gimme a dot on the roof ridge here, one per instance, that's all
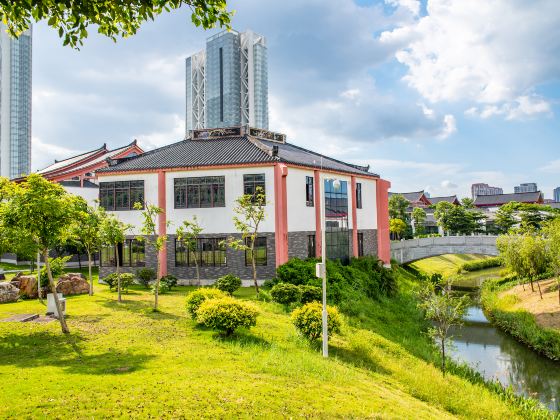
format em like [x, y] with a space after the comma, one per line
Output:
[75, 156]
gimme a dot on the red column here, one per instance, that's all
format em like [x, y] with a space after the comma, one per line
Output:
[317, 201]
[354, 217]
[162, 222]
[383, 240]
[281, 213]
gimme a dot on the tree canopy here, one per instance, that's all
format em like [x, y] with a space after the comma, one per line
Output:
[115, 18]
[398, 206]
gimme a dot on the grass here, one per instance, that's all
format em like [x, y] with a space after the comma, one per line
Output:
[124, 360]
[446, 265]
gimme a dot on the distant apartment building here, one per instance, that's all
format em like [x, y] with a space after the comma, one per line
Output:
[484, 189]
[526, 187]
[556, 194]
[15, 104]
[227, 83]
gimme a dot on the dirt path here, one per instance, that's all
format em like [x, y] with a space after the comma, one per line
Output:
[547, 310]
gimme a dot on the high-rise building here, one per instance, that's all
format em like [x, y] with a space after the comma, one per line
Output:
[556, 194]
[227, 83]
[484, 189]
[15, 104]
[526, 187]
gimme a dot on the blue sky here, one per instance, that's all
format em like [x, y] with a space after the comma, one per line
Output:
[433, 95]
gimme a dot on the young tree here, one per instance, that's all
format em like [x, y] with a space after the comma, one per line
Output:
[44, 211]
[467, 203]
[397, 227]
[534, 257]
[445, 311]
[398, 206]
[552, 234]
[151, 236]
[71, 19]
[442, 214]
[505, 217]
[188, 235]
[86, 232]
[113, 232]
[250, 212]
[419, 217]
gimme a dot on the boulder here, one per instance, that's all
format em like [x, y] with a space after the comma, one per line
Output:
[8, 293]
[27, 286]
[70, 284]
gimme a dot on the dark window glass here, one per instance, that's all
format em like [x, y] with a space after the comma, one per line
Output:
[197, 192]
[336, 220]
[309, 191]
[180, 193]
[253, 181]
[358, 195]
[208, 252]
[121, 195]
[360, 244]
[311, 246]
[131, 254]
[260, 252]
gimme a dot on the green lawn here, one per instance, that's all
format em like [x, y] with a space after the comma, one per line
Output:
[123, 360]
[446, 265]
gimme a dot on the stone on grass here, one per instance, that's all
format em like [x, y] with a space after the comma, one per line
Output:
[8, 293]
[27, 286]
[72, 284]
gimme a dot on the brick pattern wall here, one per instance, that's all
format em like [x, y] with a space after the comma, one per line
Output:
[297, 244]
[370, 241]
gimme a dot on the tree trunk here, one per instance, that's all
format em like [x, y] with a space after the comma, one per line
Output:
[80, 261]
[539, 286]
[61, 318]
[443, 356]
[532, 286]
[197, 270]
[89, 272]
[156, 291]
[118, 273]
[254, 264]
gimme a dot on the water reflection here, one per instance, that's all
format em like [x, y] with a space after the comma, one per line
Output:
[498, 356]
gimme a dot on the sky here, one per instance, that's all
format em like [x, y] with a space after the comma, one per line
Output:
[433, 94]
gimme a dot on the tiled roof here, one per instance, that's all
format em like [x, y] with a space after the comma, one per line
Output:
[499, 199]
[77, 184]
[228, 151]
[60, 164]
[450, 199]
[410, 196]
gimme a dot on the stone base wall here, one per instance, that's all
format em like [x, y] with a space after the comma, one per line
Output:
[297, 244]
[370, 241]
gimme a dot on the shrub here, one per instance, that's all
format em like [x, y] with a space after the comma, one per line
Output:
[264, 296]
[57, 269]
[127, 280]
[296, 271]
[228, 283]
[166, 283]
[308, 320]
[481, 264]
[198, 296]
[310, 294]
[145, 276]
[226, 314]
[285, 293]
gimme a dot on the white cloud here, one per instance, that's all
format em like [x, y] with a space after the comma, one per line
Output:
[448, 184]
[494, 54]
[450, 126]
[552, 167]
[44, 154]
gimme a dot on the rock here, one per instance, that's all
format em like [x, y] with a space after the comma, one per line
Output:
[8, 293]
[27, 286]
[72, 284]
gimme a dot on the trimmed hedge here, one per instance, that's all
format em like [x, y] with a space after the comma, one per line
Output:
[127, 280]
[310, 294]
[226, 314]
[481, 264]
[309, 320]
[285, 293]
[198, 296]
[228, 283]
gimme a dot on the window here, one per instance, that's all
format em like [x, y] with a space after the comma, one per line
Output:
[200, 192]
[311, 246]
[131, 254]
[336, 221]
[309, 191]
[359, 195]
[252, 182]
[121, 195]
[260, 251]
[210, 252]
[360, 244]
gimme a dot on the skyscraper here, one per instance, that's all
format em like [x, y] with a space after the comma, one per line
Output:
[484, 189]
[227, 83]
[556, 194]
[527, 187]
[15, 104]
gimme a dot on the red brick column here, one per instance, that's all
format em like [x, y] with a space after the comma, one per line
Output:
[383, 239]
[162, 221]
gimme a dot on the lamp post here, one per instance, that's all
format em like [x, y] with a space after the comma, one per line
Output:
[321, 268]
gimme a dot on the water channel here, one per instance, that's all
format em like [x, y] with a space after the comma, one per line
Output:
[496, 355]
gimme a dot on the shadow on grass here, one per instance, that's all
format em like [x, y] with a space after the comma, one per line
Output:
[140, 307]
[65, 351]
[358, 357]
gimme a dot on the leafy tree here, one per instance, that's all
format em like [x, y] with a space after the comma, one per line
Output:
[445, 311]
[397, 226]
[188, 234]
[509, 247]
[44, 211]
[535, 258]
[114, 18]
[552, 233]
[505, 217]
[86, 231]
[149, 230]
[398, 206]
[113, 232]
[457, 219]
[250, 213]
[419, 217]
[467, 203]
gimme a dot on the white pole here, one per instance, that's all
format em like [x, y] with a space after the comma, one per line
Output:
[39, 275]
[324, 272]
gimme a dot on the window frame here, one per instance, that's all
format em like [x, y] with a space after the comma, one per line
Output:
[132, 260]
[188, 259]
[253, 184]
[188, 192]
[360, 244]
[309, 191]
[248, 262]
[128, 191]
[359, 202]
[311, 246]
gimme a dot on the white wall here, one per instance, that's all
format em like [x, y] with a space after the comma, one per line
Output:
[88, 194]
[300, 216]
[220, 219]
[367, 215]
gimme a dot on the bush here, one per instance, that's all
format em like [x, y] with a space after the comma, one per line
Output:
[264, 296]
[308, 320]
[57, 269]
[226, 314]
[166, 283]
[310, 294]
[228, 283]
[296, 271]
[285, 293]
[481, 264]
[198, 296]
[127, 280]
[145, 276]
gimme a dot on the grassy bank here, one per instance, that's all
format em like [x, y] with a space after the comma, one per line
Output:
[124, 360]
[505, 309]
[446, 265]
